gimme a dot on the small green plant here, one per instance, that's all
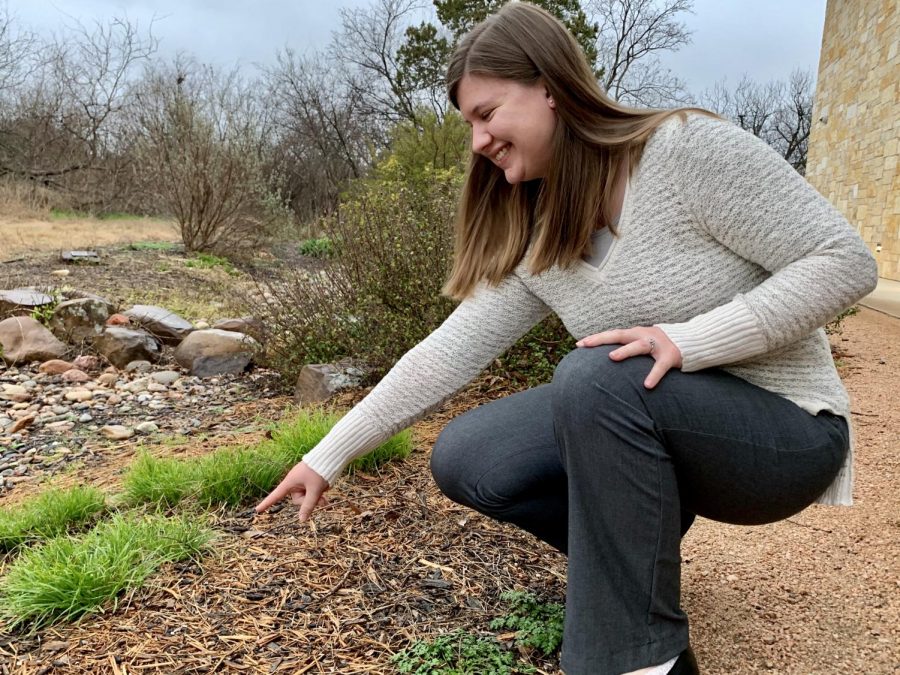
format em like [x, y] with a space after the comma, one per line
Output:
[317, 248]
[43, 313]
[153, 246]
[50, 514]
[458, 653]
[69, 577]
[538, 625]
[209, 261]
[836, 325]
[160, 481]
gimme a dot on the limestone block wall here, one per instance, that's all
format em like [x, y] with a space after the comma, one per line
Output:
[853, 146]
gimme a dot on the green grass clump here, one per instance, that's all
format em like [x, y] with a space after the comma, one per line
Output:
[160, 481]
[69, 577]
[458, 653]
[50, 514]
[209, 261]
[233, 476]
[538, 625]
[317, 248]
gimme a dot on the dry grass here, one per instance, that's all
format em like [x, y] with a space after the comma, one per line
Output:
[25, 237]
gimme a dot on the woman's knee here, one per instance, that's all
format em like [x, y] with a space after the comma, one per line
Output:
[586, 374]
[447, 464]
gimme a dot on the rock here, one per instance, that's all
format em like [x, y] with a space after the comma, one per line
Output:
[114, 400]
[108, 379]
[165, 376]
[55, 367]
[80, 320]
[161, 322]
[201, 325]
[24, 339]
[320, 381]
[215, 352]
[80, 257]
[74, 375]
[138, 367]
[121, 346]
[118, 320]
[22, 300]
[86, 362]
[20, 424]
[156, 387]
[79, 395]
[59, 273]
[85, 418]
[15, 392]
[147, 428]
[61, 425]
[136, 386]
[246, 324]
[117, 432]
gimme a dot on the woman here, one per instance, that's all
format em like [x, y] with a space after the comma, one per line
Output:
[694, 266]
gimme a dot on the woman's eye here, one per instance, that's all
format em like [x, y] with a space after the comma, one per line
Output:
[487, 115]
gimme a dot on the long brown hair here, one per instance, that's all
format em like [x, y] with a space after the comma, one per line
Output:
[594, 135]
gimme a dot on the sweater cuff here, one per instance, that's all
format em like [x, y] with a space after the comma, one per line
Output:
[353, 436]
[726, 334]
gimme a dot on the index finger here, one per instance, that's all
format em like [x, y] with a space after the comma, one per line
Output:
[274, 496]
[618, 336]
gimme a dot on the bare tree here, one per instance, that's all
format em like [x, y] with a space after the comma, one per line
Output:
[320, 133]
[369, 42]
[778, 112]
[632, 34]
[201, 153]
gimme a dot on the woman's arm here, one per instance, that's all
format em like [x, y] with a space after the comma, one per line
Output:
[480, 328]
[750, 200]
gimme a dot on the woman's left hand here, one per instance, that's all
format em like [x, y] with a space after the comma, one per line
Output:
[636, 341]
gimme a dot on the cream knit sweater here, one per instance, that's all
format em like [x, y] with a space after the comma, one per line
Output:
[721, 244]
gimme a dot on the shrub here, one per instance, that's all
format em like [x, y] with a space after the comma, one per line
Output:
[50, 514]
[458, 653]
[69, 577]
[538, 625]
[532, 360]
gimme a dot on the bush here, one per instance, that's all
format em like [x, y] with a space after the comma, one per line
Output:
[316, 248]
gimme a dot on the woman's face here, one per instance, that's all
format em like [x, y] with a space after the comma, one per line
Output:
[512, 124]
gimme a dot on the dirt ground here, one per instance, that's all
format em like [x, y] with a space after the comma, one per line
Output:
[390, 560]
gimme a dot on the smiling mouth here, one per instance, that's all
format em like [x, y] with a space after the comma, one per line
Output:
[504, 151]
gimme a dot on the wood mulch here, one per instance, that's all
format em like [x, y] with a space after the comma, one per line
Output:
[390, 560]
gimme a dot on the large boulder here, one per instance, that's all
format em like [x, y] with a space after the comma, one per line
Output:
[161, 322]
[320, 381]
[121, 346]
[24, 340]
[81, 320]
[215, 352]
[22, 300]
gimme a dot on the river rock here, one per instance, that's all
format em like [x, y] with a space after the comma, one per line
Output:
[121, 346]
[160, 322]
[147, 428]
[86, 362]
[107, 379]
[74, 375]
[80, 320]
[15, 393]
[139, 367]
[24, 339]
[79, 395]
[211, 352]
[117, 432]
[165, 376]
[80, 257]
[118, 320]
[55, 367]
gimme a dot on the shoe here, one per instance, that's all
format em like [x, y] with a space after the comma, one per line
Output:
[686, 664]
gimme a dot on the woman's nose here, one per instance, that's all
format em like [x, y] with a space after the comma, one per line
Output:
[481, 139]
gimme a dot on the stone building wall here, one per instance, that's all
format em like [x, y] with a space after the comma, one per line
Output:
[853, 146]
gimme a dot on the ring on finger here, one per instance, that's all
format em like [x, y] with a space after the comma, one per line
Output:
[652, 342]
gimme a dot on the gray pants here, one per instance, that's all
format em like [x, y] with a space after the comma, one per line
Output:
[611, 473]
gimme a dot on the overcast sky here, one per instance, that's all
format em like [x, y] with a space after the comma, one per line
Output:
[765, 39]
